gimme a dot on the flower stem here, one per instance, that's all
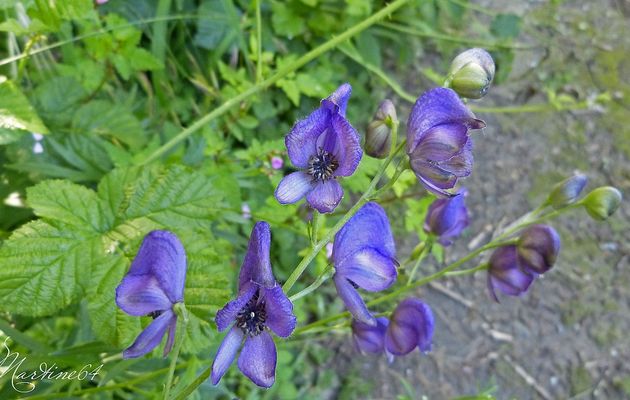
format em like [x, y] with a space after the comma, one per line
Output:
[281, 73]
[314, 227]
[259, 71]
[425, 251]
[468, 271]
[299, 270]
[182, 313]
[328, 272]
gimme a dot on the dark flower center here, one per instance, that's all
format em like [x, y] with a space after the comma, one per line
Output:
[251, 319]
[155, 314]
[322, 165]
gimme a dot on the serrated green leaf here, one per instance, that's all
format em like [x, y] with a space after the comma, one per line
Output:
[16, 113]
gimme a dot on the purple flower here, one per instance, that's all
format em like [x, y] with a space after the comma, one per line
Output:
[277, 162]
[368, 338]
[538, 248]
[447, 218]
[505, 273]
[260, 306]
[439, 148]
[323, 146]
[364, 256]
[154, 283]
[410, 326]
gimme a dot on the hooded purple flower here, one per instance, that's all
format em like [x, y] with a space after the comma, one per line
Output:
[439, 148]
[447, 218]
[154, 283]
[505, 273]
[368, 338]
[323, 146]
[261, 306]
[364, 256]
[410, 326]
[538, 248]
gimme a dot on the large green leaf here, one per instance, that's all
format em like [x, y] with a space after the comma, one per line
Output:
[16, 113]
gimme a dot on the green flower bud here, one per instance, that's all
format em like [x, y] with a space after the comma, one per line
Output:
[471, 73]
[378, 138]
[602, 202]
[567, 191]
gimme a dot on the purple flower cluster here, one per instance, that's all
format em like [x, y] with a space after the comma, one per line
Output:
[447, 218]
[513, 268]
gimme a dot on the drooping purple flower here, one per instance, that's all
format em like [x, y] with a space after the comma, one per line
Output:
[260, 306]
[154, 283]
[369, 338]
[505, 273]
[447, 218]
[364, 257]
[323, 146]
[538, 248]
[438, 144]
[410, 326]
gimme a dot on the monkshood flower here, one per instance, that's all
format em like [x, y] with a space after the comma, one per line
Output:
[538, 248]
[364, 257]
[323, 146]
[260, 306]
[602, 202]
[410, 326]
[153, 285]
[471, 73]
[447, 218]
[505, 273]
[438, 144]
[369, 338]
[567, 191]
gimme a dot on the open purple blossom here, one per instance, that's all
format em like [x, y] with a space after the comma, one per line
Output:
[364, 257]
[505, 273]
[260, 306]
[410, 326]
[538, 247]
[438, 144]
[323, 146]
[153, 285]
[447, 218]
[370, 338]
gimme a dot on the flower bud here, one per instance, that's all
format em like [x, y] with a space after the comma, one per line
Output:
[471, 73]
[537, 249]
[567, 191]
[447, 218]
[602, 202]
[378, 139]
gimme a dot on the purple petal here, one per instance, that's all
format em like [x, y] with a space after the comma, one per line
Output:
[353, 301]
[446, 218]
[460, 164]
[441, 142]
[226, 353]
[436, 107]
[280, 317]
[140, 295]
[162, 255]
[434, 178]
[505, 274]
[227, 315]
[258, 360]
[370, 339]
[301, 140]
[151, 336]
[256, 265]
[338, 100]
[172, 328]
[325, 196]
[410, 325]
[348, 152]
[369, 269]
[369, 227]
[293, 187]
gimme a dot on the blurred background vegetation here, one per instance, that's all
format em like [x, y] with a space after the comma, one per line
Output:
[90, 88]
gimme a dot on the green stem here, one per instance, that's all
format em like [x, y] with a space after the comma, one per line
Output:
[425, 251]
[314, 227]
[259, 71]
[180, 310]
[323, 277]
[281, 73]
[194, 384]
[468, 271]
[299, 270]
[402, 166]
[527, 108]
